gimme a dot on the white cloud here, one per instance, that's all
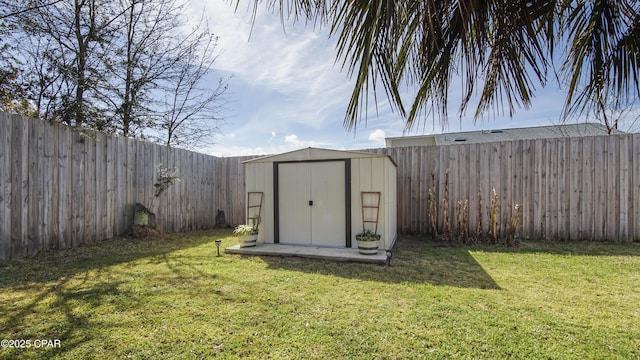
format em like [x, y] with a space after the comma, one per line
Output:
[292, 142]
[273, 134]
[377, 136]
[292, 139]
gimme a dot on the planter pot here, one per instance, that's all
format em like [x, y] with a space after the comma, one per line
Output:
[367, 246]
[248, 240]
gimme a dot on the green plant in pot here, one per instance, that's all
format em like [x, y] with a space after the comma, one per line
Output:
[367, 242]
[248, 234]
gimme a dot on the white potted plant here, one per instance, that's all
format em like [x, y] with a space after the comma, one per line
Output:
[248, 234]
[367, 242]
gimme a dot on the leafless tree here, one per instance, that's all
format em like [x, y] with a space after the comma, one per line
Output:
[142, 57]
[128, 67]
[191, 108]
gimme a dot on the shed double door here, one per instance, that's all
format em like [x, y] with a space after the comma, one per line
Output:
[312, 203]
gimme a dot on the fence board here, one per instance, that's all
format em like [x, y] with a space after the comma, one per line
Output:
[539, 190]
[199, 181]
[90, 196]
[238, 192]
[635, 189]
[551, 190]
[121, 187]
[527, 189]
[187, 215]
[462, 187]
[406, 195]
[19, 182]
[182, 208]
[50, 177]
[208, 207]
[443, 168]
[65, 187]
[562, 184]
[77, 194]
[452, 165]
[131, 185]
[163, 203]
[422, 171]
[111, 184]
[600, 187]
[5, 186]
[496, 178]
[613, 189]
[139, 176]
[506, 191]
[220, 187]
[623, 202]
[35, 188]
[575, 194]
[173, 193]
[485, 186]
[174, 157]
[587, 227]
[472, 189]
[146, 184]
[517, 178]
[101, 186]
[414, 189]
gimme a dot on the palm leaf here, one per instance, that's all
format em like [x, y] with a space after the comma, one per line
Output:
[501, 50]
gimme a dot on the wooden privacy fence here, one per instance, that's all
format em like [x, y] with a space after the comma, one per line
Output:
[569, 188]
[60, 188]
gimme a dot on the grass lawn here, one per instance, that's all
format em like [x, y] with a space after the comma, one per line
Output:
[173, 298]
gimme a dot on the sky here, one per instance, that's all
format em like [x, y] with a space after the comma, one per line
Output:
[287, 92]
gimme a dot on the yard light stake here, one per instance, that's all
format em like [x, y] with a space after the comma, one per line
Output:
[218, 242]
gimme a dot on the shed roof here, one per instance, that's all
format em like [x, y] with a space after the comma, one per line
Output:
[311, 153]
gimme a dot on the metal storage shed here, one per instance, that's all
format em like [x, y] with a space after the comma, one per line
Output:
[314, 197]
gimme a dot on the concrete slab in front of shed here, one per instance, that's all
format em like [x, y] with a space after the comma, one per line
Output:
[314, 252]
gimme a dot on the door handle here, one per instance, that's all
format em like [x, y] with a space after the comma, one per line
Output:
[310, 202]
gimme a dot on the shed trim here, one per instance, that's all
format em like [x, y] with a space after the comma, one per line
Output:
[341, 153]
[276, 205]
[347, 199]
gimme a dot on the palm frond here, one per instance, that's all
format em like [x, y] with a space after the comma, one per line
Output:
[501, 50]
[603, 58]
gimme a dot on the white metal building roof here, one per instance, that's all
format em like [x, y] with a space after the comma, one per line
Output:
[484, 136]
